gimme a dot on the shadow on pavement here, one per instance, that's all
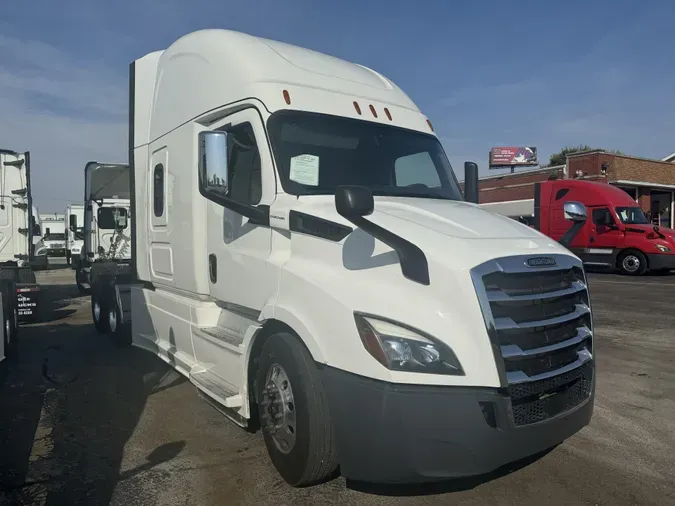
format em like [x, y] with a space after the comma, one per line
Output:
[69, 402]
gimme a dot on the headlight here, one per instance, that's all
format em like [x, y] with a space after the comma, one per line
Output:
[662, 248]
[41, 251]
[399, 348]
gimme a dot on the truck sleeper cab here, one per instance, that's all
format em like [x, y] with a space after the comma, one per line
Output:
[617, 234]
[285, 216]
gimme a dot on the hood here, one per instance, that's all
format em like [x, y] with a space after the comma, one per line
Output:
[455, 219]
[455, 235]
[668, 232]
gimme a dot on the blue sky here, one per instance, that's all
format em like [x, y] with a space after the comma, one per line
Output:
[487, 73]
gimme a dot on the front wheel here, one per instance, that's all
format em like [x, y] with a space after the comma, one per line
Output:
[632, 263]
[293, 412]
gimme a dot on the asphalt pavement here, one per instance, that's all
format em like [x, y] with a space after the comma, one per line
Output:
[82, 422]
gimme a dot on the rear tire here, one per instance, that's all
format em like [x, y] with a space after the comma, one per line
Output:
[120, 333]
[79, 275]
[632, 263]
[9, 314]
[99, 309]
[293, 411]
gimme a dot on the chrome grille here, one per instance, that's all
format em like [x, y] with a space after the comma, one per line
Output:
[540, 325]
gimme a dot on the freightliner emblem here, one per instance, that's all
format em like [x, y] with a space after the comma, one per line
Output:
[540, 262]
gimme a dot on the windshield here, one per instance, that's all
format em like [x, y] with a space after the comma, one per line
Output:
[631, 216]
[109, 181]
[316, 153]
[55, 237]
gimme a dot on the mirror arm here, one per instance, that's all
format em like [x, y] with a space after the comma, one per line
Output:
[257, 215]
[414, 265]
[571, 233]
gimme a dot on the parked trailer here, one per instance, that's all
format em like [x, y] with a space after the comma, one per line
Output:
[17, 225]
[284, 214]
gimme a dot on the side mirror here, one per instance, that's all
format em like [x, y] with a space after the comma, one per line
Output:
[354, 201]
[213, 169]
[73, 222]
[471, 182]
[575, 211]
[120, 220]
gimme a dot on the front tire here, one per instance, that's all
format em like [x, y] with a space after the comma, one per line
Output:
[293, 412]
[632, 263]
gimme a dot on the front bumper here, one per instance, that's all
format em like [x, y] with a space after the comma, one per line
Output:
[658, 261]
[390, 433]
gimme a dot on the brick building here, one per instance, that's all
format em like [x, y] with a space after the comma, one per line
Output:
[649, 182]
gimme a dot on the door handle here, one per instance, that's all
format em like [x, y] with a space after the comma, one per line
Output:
[213, 268]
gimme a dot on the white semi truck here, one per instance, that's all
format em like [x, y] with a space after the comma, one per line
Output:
[302, 253]
[17, 225]
[106, 200]
[74, 234]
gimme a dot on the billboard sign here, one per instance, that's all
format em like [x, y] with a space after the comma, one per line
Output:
[501, 157]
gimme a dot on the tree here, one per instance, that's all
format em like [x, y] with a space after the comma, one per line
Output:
[560, 157]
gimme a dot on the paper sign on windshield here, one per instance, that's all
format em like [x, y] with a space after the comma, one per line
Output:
[305, 170]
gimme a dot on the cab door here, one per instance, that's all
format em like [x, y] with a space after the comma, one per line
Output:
[241, 277]
[238, 250]
[605, 237]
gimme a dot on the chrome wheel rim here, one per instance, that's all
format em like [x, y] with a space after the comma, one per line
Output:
[112, 320]
[278, 409]
[631, 263]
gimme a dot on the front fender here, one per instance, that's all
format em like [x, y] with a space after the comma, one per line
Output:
[300, 323]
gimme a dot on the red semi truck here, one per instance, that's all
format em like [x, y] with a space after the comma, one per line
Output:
[617, 234]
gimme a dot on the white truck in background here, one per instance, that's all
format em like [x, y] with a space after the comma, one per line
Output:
[106, 202]
[74, 216]
[286, 208]
[53, 242]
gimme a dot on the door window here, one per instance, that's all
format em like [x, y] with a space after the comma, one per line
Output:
[244, 164]
[602, 217]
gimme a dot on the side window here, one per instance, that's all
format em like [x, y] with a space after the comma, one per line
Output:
[107, 217]
[245, 183]
[561, 193]
[158, 189]
[602, 216]
[417, 168]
